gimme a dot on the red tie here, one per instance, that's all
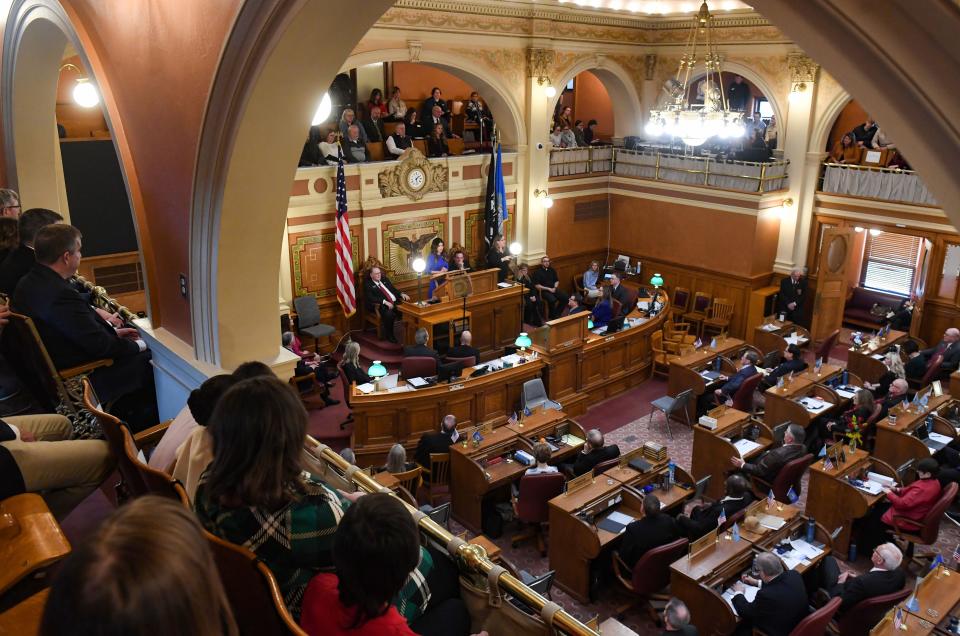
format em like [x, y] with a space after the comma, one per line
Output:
[386, 292]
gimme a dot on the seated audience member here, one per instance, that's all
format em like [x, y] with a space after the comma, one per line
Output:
[348, 455]
[350, 363]
[748, 368]
[419, 347]
[896, 394]
[654, 529]
[354, 147]
[578, 128]
[845, 151]
[348, 118]
[305, 368]
[573, 306]
[311, 155]
[464, 349]
[912, 502]
[861, 410]
[768, 465]
[702, 519]
[381, 296]
[880, 140]
[398, 142]
[476, 111]
[396, 107]
[21, 259]
[397, 460]
[376, 101]
[374, 126]
[376, 550]
[532, 313]
[792, 363]
[865, 132]
[436, 142]
[895, 370]
[497, 257]
[901, 317]
[676, 619]
[74, 334]
[556, 137]
[414, 124]
[885, 577]
[542, 454]
[603, 310]
[330, 149]
[9, 236]
[459, 260]
[590, 135]
[171, 585]
[780, 604]
[437, 119]
[37, 455]
[619, 292]
[949, 348]
[435, 101]
[9, 203]
[567, 138]
[591, 280]
[255, 492]
[563, 117]
[546, 280]
[436, 442]
[770, 134]
[593, 453]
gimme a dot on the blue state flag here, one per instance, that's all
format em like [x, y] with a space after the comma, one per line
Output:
[792, 495]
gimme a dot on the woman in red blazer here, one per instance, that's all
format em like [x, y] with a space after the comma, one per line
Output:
[913, 502]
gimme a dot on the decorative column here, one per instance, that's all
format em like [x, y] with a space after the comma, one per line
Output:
[795, 222]
[651, 92]
[532, 224]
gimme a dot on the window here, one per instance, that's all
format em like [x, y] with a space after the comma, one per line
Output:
[764, 108]
[891, 263]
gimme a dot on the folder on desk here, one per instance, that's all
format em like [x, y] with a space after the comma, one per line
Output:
[711, 375]
[615, 522]
[639, 465]
[417, 382]
[745, 447]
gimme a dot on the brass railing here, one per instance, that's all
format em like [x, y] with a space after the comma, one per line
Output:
[474, 556]
[100, 298]
[584, 160]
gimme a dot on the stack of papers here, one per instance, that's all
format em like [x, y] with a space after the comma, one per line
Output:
[883, 480]
[769, 327]
[771, 521]
[795, 339]
[802, 553]
[365, 388]
[417, 382]
[936, 441]
[403, 388]
[513, 359]
[870, 487]
[745, 447]
[845, 392]
[749, 592]
[573, 440]
[812, 404]
[504, 284]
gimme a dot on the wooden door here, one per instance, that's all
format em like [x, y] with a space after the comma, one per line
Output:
[920, 288]
[831, 291]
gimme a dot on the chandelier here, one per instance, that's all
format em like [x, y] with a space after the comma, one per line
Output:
[695, 123]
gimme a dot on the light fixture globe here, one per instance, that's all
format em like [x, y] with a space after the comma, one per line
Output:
[377, 370]
[656, 280]
[323, 111]
[419, 265]
[85, 94]
[523, 340]
[515, 249]
[549, 91]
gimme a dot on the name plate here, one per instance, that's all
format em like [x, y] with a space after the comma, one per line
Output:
[455, 387]
[580, 482]
[705, 542]
[486, 428]
[708, 422]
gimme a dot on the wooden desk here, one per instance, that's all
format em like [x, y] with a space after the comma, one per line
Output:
[575, 542]
[685, 373]
[938, 596]
[693, 580]
[896, 443]
[387, 480]
[767, 340]
[781, 407]
[955, 384]
[494, 312]
[382, 419]
[675, 496]
[712, 450]
[837, 503]
[862, 362]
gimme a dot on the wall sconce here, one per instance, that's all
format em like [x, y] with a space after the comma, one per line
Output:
[543, 198]
[84, 93]
[786, 205]
[548, 90]
[858, 229]
[796, 90]
[875, 232]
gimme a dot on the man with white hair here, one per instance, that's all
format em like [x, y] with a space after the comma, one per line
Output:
[793, 293]
[885, 577]
[949, 348]
[594, 452]
[676, 619]
[436, 443]
[896, 394]
[354, 148]
[465, 348]
[780, 604]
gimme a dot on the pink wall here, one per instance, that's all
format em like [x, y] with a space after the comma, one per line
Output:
[417, 80]
[591, 101]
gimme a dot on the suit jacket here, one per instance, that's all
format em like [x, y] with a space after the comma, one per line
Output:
[646, 534]
[14, 267]
[705, 518]
[546, 276]
[785, 368]
[71, 330]
[429, 124]
[420, 350]
[495, 260]
[889, 402]
[686, 630]
[374, 130]
[426, 111]
[733, 384]
[374, 296]
[913, 502]
[773, 460]
[463, 351]
[951, 355]
[790, 293]
[586, 462]
[779, 606]
[431, 443]
[11, 480]
[623, 295]
[876, 583]
[355, 374]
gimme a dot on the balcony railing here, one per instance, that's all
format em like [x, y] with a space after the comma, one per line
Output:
[745, 176]
[889, 184]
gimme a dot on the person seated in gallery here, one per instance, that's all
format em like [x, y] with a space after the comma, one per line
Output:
[884, 577]
[594, 452]
[419, 347]
[435, 119]
[603, 310]
[591, 280]
[436, 142]
[845, 151]
[574, 306]
[654, 529]
[477, 112]
[532, 311]
[895, 396]
[497, 257]
[348, 118]
[396, 107]
[414, 125]
[465, 348]
[768, 465]
[381, 296]
[949, 348]
[374, 126]
[865, 132]
[350, 363]
[546, 280]
[792, 363]
[433, 102]
[704, 518]
[307, 367]
[20, 259]
[397, 461]
[354, 147]
[398, 142]
[311, 155]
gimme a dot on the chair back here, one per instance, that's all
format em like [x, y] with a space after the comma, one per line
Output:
[823, 351]
[441, 514]
[816, 623]
[439, 469]
[308, 313]
[155, 482]
[578, 283]
[410, 479]
[933, 369]
[30, 538]
[34, 368]
[701, 302]
[772, 359]
[252, 591]
[535, 492]
[877, 411]
[681, 298]
[652, 572]
[464, 362]
[346, 385]
[859, 619]
[421, 145]
[721, 309]
[790, 476]
[682, 400]
[656, 343]
[375, 151]
[743, 398]
[418, 367]
[606, 465]
[455, 146]
[131, 483]
[617, 307]
[534, 392]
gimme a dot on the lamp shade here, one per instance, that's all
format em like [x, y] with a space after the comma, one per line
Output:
[419, 265]
[377, 370]
[523, 340]
[515, 248]
[589, 323]
[85, 94]
[656, 280]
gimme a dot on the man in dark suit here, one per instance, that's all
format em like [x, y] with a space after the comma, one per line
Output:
[436, 443]
[769, 464]
[895, 395]
[620, 293]
[780, 604]
[72, 332]
[383, 297]
[949, 348]
[497, 257]
[374, 126]
[436, 118]
[885, 577]
[676, 619]
[546, 280]
[464, 349]
[20, 260]
[793, 293]
[573, 306]
[420, 349]
[654, 529]
[593, 453]
[748, 368]
[435, 100]
[702, 519]
[792, 363]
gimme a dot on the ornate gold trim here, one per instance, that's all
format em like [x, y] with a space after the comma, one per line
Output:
[393, 181]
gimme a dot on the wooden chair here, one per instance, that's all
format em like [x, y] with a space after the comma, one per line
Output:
[30, 539]
[718, 321]
[678, 332]
[929, 527]
[310, 390]
[421, 145]
[680, 301]
[252, 591]
[743, 398]
[823, 350]
[701, 303]
[580, 289]
[649, 575]
[455, 146]
[859, 619]
[410, 480]
[933, 370]
[816, 623]
[663, 353]
[439, 472]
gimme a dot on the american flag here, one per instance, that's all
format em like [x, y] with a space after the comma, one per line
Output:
[770, 499]
[345, 290]
[956, 553]
[722, 519]
[898, 619]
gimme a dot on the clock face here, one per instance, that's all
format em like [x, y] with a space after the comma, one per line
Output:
[416, 179]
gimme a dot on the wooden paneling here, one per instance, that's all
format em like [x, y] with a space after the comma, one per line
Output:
[120, 274]
[566, 235]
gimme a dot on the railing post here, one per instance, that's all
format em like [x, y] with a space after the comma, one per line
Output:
[763, 174]
[656, 170]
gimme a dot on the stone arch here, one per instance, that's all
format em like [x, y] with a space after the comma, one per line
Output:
[738, 68]
[34, 40]
[826, 119]
[627, 119]
[506, 111]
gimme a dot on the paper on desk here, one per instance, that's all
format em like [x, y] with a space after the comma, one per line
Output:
[417, 382]
[871, 488]
[504, 284]
[877, 356]
[511, 359]
[403, 388]
[749, 592]
[844, 393]
[745, 447]
[807, 550]
[619, 517]
[769, 327]
[573, 440]
[771, 521]
[883, 480]
[942, 439]
[813, 405]
[365, 388]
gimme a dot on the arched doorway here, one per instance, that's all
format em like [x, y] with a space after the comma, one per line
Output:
[620, 89]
